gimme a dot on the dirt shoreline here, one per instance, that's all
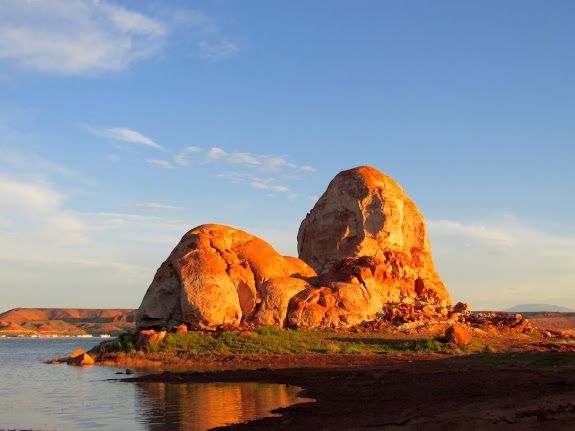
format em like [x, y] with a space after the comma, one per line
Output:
[524, 390]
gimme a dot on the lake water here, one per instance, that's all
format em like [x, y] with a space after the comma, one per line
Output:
[39, 396]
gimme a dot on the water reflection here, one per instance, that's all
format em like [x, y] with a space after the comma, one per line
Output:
[202, 406]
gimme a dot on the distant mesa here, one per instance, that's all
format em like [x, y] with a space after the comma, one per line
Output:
[527, 308]
[53, 322]
[362, 246]
[19, 315]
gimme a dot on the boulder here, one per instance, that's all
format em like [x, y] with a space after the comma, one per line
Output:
[79, 357]
[182, 329]
[218, 275]
[456, 334]
[149, 337]
[365, 214]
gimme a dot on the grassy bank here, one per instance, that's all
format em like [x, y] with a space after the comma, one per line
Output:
[271, 340]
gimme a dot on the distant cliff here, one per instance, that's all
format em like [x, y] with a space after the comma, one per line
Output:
[66, 321]
[70, 315]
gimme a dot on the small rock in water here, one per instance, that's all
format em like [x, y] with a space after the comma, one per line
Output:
[79, 357]
[129, 371]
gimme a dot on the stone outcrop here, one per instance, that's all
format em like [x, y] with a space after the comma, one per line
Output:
[365, 228]
[218, 276]
[364, 237]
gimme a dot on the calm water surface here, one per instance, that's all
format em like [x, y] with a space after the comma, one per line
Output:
[39, 396]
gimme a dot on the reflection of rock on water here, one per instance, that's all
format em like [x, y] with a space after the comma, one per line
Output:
[201, 406]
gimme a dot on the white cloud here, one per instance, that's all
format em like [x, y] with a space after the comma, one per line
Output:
[181, 157]
[76, 36]
[38, 206]
[52, 256]
[29, 199]
[262, 163]
[161, 163]
[270, 187]
[473, 231]
[267, 184]
[502, 263]
[237, 177]
[246, 159]
[154, 206]
[127, 135]
[18, 162]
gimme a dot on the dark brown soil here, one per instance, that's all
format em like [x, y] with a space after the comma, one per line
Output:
[519, 391]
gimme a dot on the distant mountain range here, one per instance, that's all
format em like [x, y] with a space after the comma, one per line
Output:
[523, 308]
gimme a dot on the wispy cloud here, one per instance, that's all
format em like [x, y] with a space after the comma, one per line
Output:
[278, 166]
[270, 187]
[88, 37]
[218, 50]
[262, 163]
[127, 135]
[502, 262]
[235, 158]
[154, 206]
[161, 163]
[477, 231]
[48, 250]
[76, 36]
[19, 162]
[181, 157]
[266, 184]
[211, 42]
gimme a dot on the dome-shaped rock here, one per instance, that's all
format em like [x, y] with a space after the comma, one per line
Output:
[218, 275]
[364, 229]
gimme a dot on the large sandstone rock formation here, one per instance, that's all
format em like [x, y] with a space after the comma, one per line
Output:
[365, 238]
[365, 228]
[218, 275]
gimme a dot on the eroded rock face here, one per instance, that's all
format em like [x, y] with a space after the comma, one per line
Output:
[217, 276]
[365, 229]
[364, 236]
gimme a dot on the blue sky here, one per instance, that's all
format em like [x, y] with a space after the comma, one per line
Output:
[125, 124]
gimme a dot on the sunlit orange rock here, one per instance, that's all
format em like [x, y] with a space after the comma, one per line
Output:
[365, 229]
[79, 357]
[217, 275]
[364, 237]
[149, 337]
[456, 334]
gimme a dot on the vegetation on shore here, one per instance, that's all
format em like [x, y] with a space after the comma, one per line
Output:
[300, 347]
[270, 340]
